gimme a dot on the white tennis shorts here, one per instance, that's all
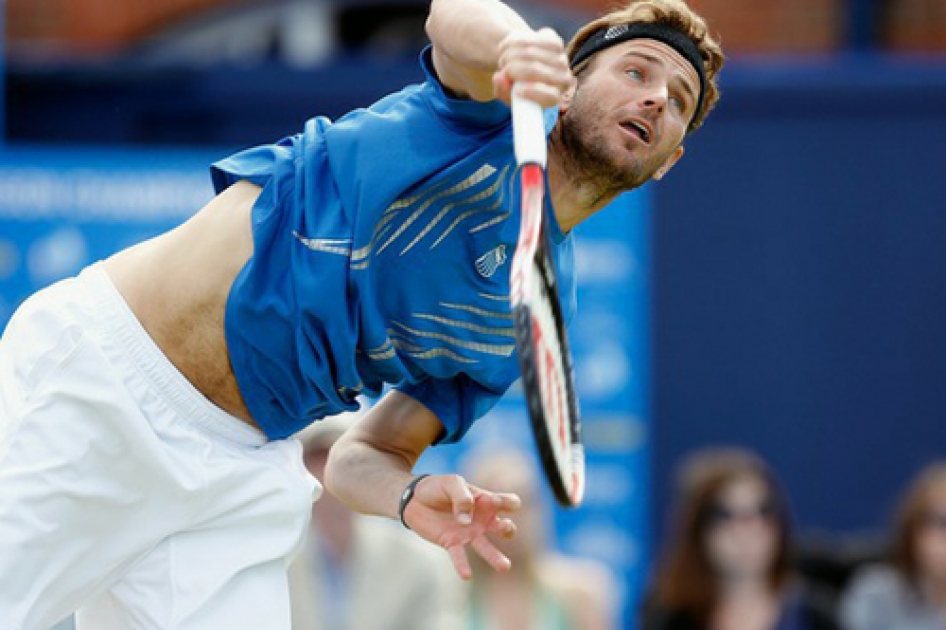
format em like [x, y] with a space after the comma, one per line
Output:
[124, 493]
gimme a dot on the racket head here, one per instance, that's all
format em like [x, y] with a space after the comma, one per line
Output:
[544, 356]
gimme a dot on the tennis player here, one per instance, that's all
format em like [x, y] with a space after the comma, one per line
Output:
[147, 473]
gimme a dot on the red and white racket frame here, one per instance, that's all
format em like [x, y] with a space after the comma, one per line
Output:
[542, 344]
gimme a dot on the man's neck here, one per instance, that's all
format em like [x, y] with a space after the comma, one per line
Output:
[574, 198]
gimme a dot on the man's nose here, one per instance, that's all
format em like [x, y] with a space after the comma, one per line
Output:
[656, 97]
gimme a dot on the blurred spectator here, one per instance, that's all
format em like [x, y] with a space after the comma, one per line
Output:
[363, 573]
[729, 564]
[911, 594]
[544, 590]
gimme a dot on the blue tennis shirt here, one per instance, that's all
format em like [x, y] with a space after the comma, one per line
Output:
[382, 249]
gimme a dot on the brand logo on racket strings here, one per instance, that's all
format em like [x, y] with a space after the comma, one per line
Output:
[488, 263]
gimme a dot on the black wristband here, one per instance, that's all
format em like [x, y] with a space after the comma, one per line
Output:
[406, 497]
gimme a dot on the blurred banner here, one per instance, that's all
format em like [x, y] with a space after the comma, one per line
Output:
[61, 209]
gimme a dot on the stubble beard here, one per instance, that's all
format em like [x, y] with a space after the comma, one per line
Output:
[589, 161]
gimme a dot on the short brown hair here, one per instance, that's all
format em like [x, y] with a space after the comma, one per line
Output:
[911, 516]
[675, 14]
[685, 582]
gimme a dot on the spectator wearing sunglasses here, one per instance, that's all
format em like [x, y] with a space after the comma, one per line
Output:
[909, 594]
[729, 562]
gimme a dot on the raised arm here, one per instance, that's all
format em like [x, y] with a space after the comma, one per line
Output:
[369, 467]
[482, 47]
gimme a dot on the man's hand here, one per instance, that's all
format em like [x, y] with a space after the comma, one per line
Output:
[371, 464]
[537, 63]
[451, 513]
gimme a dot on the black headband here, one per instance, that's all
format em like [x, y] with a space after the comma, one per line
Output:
[608, 36]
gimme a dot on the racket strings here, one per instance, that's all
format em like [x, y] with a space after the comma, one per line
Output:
[550, 368]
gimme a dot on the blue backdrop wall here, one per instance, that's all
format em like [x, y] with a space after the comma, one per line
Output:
[800, 284]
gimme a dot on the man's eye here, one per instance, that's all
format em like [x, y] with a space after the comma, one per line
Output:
[635, 74]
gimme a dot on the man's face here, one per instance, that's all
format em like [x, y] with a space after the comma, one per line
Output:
[629, 114]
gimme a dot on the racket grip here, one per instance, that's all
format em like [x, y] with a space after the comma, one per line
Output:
[528, 131]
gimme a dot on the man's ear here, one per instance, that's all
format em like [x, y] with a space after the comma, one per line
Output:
[668, 164]
[567, 98]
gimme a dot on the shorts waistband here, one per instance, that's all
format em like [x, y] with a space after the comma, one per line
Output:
[166, 381]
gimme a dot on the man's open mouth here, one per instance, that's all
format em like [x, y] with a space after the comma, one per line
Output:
[638, 129]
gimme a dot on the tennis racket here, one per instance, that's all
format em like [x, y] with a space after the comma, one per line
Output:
[541, 340]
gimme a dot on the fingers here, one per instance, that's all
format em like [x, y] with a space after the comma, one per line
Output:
[504, 501]
[509, 502]
[502, 527]
[460, 562]
[493, 556]
[485, 549]
[536, 62]
[461, 497]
